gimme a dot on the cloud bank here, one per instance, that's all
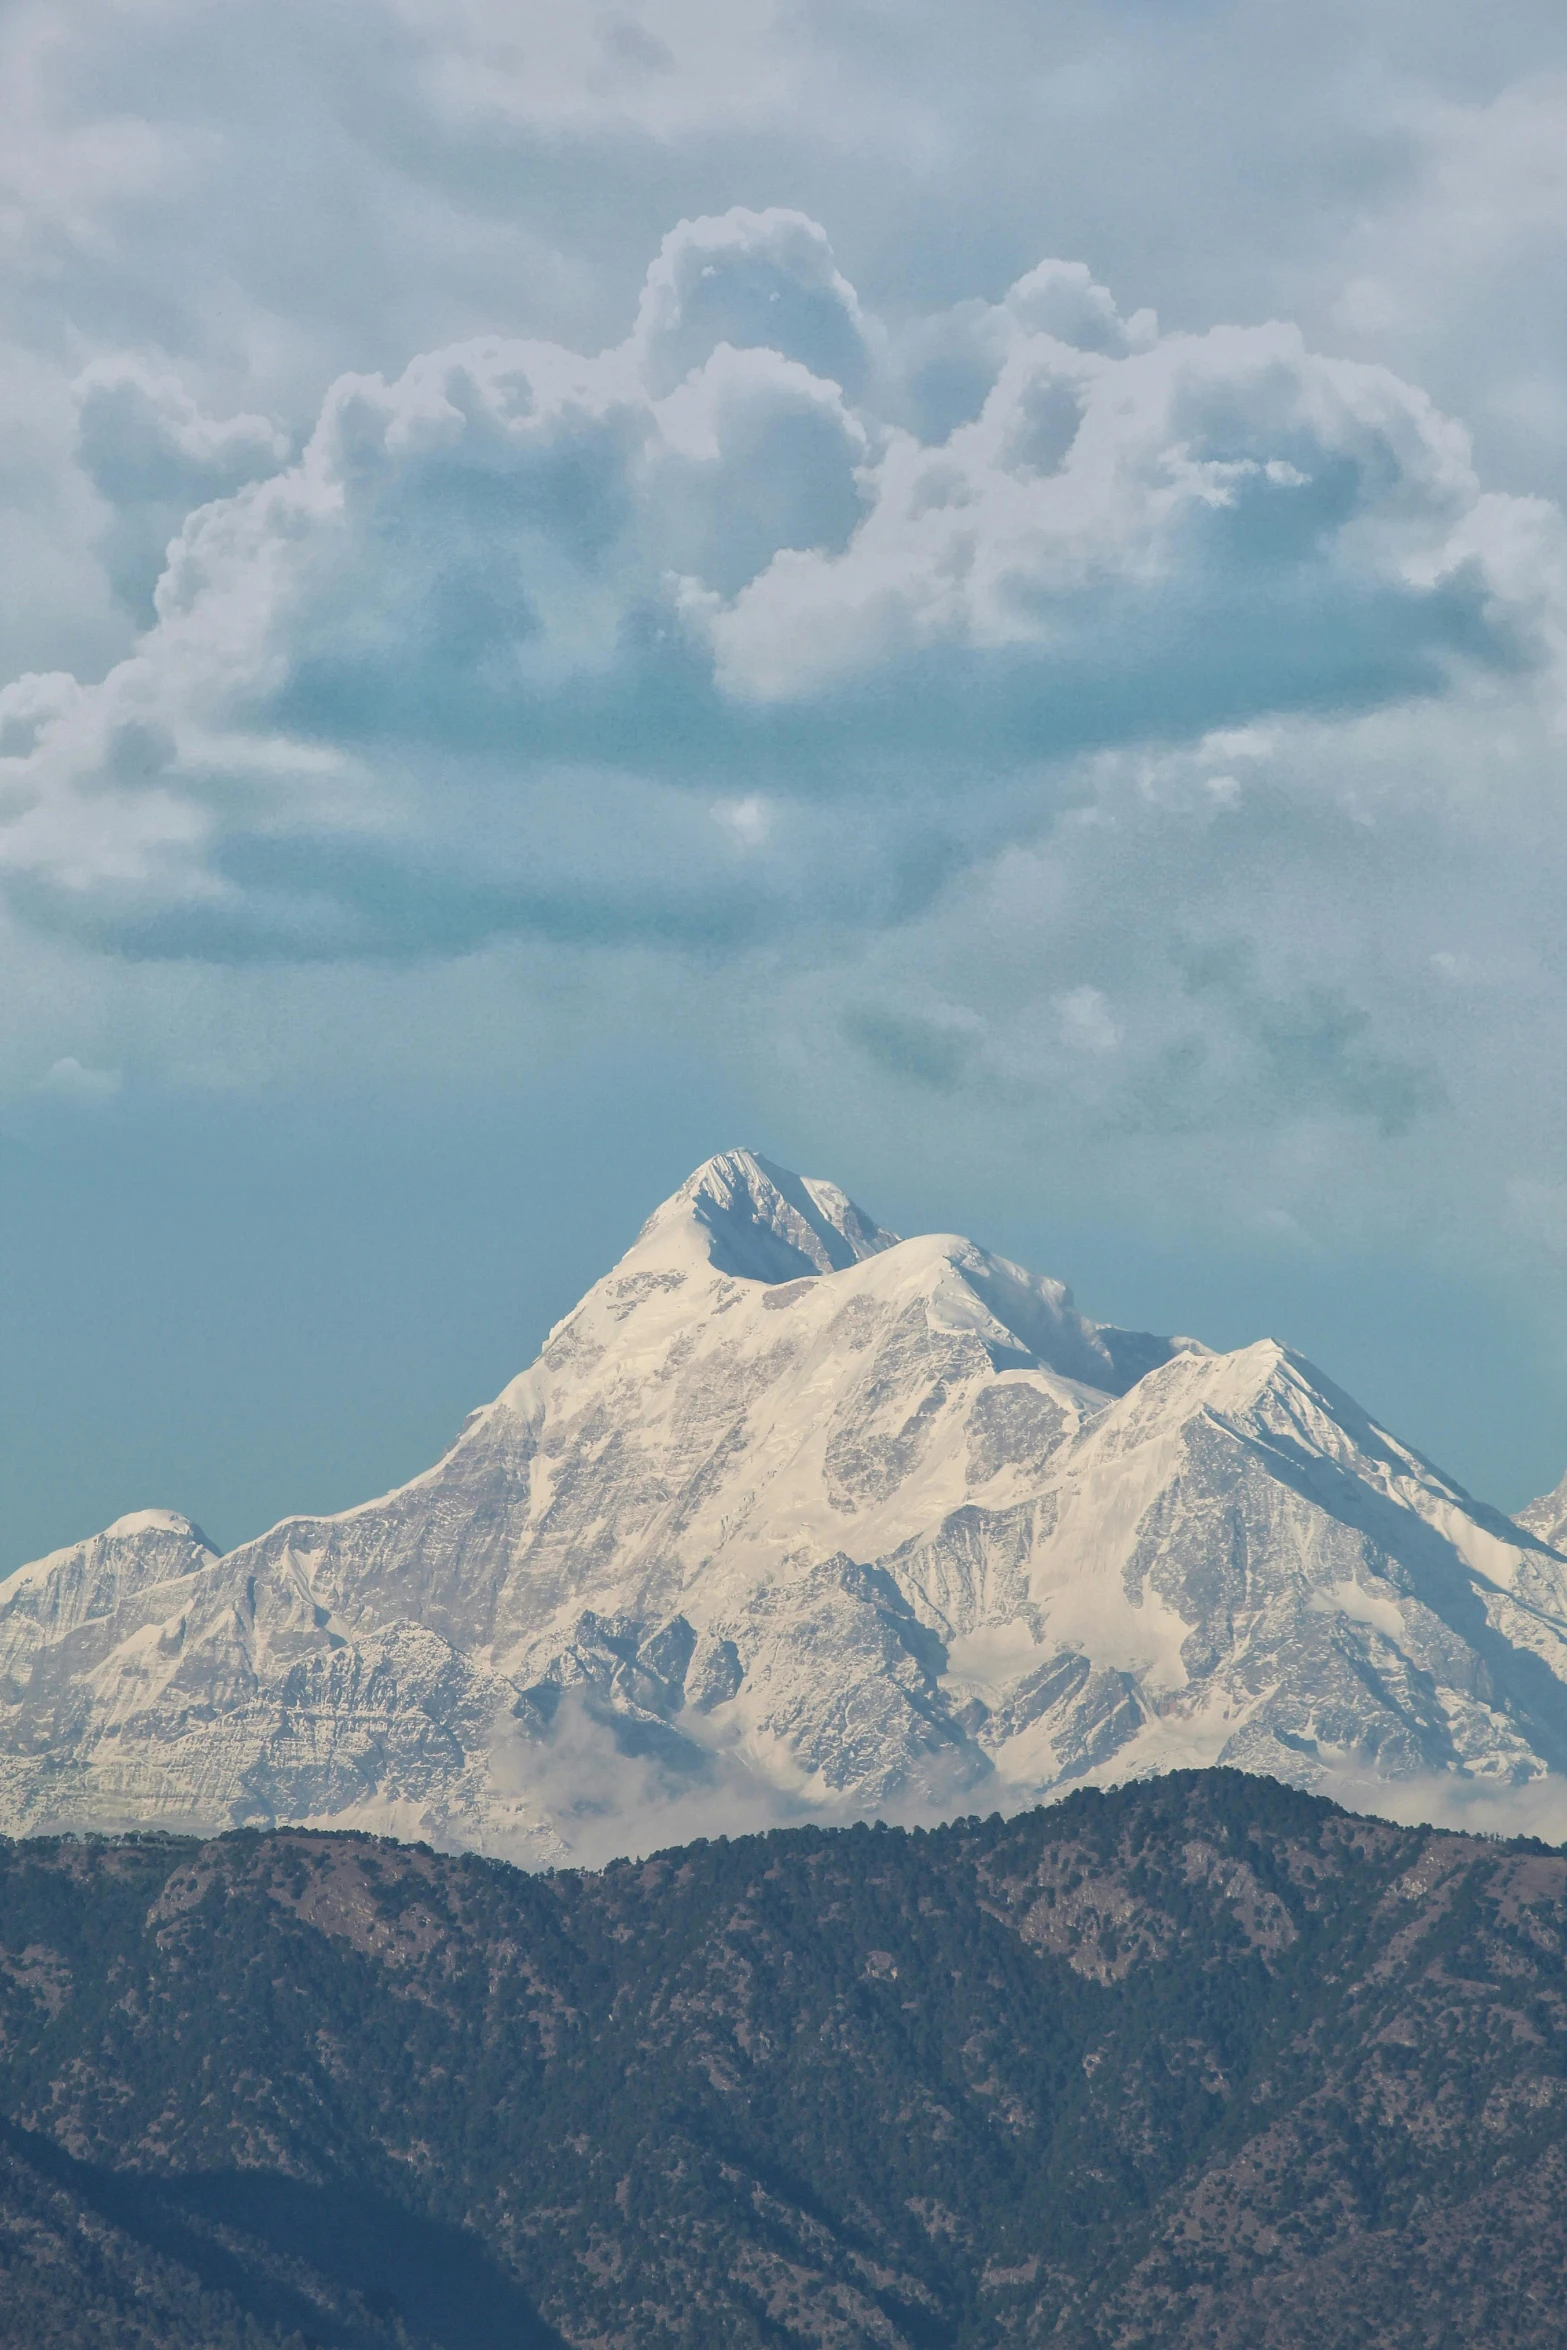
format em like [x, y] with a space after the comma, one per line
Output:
[764, 619]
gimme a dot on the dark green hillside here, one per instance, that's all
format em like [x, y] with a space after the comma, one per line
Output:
[1202, 2061]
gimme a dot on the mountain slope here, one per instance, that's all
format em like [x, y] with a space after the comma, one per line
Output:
[793, 1517]
[1547, 1517]
[1203, 2061]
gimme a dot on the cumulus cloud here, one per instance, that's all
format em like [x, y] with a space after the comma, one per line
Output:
[1221, 524]
[486, 656]
[763, 281]
[152, 456]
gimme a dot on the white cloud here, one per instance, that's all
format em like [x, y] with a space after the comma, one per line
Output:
[152, 456]
[748, 821]
[1463, 272]
[70, 1080]
[1201, 477]
[752, 281]
[1087, 1023]
[457, 668]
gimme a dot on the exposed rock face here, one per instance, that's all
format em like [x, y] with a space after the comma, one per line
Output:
[791, 1516]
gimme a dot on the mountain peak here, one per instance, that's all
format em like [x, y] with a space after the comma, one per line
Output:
[757, 1221]
[142, 1544]
[154, 1522]
[792, 1516]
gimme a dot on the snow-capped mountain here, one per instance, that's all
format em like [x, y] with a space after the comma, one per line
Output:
[1547, 1517]
[793, 1516]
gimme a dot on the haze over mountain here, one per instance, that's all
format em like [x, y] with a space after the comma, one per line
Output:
[790, 1518]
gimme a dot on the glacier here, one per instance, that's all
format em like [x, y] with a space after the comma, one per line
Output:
[793, 1518]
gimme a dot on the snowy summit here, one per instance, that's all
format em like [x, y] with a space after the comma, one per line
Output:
[792, 1517]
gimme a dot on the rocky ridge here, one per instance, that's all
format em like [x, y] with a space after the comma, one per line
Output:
[794, 1518]
[1547, 1517]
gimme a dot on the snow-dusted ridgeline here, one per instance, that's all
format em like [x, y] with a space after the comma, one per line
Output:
[793, 1516]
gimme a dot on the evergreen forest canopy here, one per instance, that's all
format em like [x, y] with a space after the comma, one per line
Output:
[1199, 2061]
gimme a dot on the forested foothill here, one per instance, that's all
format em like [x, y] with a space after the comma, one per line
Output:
[1203, 2060]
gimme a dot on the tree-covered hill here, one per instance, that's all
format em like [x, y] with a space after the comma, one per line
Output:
[1201, 2061]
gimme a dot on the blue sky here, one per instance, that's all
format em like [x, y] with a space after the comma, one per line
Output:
[977, 599]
